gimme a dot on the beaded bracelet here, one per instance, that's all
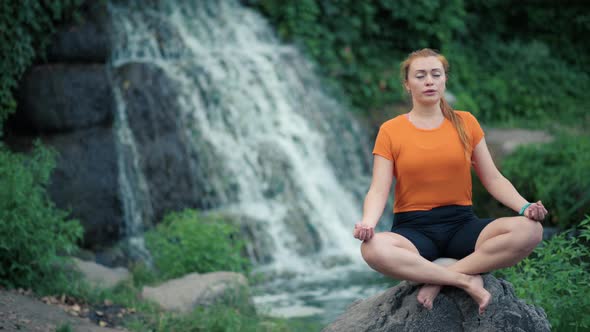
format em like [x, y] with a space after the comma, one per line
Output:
[523, 208]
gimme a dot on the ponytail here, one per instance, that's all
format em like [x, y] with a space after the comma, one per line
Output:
[457, 122]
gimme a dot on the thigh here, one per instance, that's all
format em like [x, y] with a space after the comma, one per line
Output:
[463, 242]
[422, 243]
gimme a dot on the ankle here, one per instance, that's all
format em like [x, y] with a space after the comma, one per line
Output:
[465, 281]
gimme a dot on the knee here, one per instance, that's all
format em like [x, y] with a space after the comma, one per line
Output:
[531, 234]
[376, 250]
[370, 252]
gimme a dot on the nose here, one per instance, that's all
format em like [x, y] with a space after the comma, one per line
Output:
[428, 80]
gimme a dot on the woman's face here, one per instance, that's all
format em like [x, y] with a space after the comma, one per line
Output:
[426, 80]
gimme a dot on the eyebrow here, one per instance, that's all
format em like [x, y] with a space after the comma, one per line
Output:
[424, 70]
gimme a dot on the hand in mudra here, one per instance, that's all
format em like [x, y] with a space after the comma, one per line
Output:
[536, 211]
[363, 232]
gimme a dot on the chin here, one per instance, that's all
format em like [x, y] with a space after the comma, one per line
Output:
[429, 101]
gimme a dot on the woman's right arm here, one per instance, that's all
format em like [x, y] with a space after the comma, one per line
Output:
[376, 198]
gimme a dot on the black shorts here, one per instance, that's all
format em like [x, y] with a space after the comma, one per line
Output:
[446, 231]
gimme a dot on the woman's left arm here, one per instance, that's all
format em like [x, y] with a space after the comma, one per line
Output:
[499, 187]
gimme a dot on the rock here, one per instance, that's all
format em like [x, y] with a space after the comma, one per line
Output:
[192, 290]
[398, 310]
[181, 168]
[86, 182]
[85, 41]
[58, 98]
[101, 276]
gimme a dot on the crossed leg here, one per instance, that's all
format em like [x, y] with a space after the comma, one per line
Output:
[395, 256]
[502, 243]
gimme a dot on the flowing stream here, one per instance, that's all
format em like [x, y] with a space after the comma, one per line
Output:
[285, 157]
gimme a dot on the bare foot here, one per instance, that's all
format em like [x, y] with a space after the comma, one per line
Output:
[478, 292]
[427, 294]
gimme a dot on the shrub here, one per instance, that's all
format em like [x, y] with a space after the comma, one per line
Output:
[186, 242]
[557, 277]
[507, 62]
[33, 233]
[557, 174]
[535, 87]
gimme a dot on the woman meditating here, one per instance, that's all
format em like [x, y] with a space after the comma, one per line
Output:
[429, 151]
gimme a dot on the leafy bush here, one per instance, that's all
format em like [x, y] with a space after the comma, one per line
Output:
[25, 28]
[33, 233]
[535, 86]
[507, 62]
[557, 174]
[557, 278]
[186, 242]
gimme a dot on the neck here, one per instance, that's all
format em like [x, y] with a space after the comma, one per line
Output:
[426, 111]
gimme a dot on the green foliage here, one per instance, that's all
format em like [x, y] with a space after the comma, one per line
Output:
[25, 28]
[556, 173]
[517, 80]
[222, 318]
[65, 327]
[557, 278]
[361, 43]
[186, 242]
[509, 61]
[33, 233]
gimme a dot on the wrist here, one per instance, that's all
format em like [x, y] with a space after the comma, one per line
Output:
[368, 223]
[523, 208]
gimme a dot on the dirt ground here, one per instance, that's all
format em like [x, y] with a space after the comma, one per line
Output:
[20, 311]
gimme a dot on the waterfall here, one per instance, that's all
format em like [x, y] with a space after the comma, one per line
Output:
[266, 143]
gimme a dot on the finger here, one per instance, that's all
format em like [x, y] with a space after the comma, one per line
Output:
[532, 213]
[372, 233]
[542, 206]
[363, 233]
[369, 235]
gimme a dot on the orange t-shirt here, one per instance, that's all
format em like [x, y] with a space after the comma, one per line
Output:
[430, 165]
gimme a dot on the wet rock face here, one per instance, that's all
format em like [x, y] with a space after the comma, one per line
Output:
[57, 98]
[66, 100]
[176, 162]
[397, 309]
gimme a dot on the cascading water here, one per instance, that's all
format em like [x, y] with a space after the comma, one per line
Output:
[275, 150]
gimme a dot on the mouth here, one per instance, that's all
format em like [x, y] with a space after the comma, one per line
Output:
[430, 92]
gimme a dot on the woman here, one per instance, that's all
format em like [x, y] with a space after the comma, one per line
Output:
[430, 151]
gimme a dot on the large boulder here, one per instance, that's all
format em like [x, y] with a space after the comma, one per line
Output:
[86, 183]
[59, 97]
[398, 310]
[193, 290]
[101, 276]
